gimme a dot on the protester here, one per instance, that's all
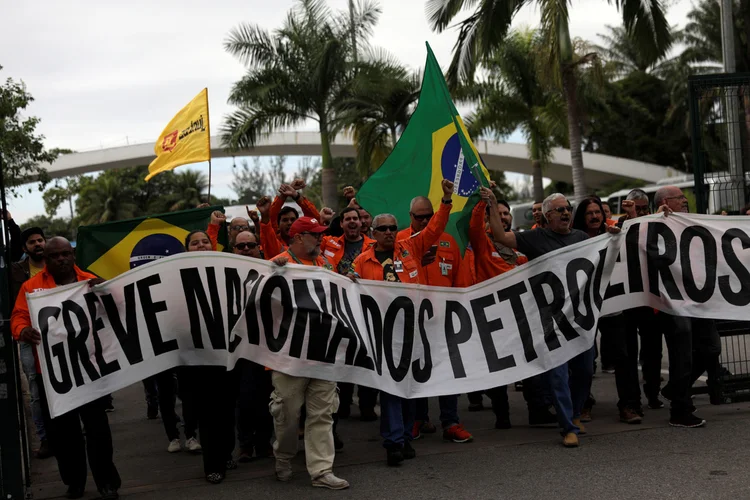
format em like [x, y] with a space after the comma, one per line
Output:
[16, 240]
[607, 210]
[246, 244]
[569, 397]
[394, 260]
[32, 243]
[442, 267]
[635, 323]
[341, 252]
[211, 390]
[64, 432]
[678, 333]
[291, 393]
[536, 212]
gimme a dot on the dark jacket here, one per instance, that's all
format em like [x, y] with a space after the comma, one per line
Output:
[16, 245]
[19, 273]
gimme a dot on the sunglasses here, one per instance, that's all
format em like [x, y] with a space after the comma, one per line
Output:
[383, 229]
[240, 228]
[562, 210]
[422, 218]
[242, 246]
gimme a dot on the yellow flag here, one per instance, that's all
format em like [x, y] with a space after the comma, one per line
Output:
[187, 138]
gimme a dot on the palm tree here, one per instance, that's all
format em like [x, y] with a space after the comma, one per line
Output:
[623, 56]
[514, 96]
[190, 186]
[300, 72]
[105, 200]
[376, 113]
[486, 27]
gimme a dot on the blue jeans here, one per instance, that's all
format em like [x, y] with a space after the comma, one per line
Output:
[448, 410]
[396, 420]
[29, 368]
[570, 384]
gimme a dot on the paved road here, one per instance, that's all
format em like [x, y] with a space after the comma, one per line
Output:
[615, 460]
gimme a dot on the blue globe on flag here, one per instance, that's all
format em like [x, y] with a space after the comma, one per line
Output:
[154, 247]
[451, 161]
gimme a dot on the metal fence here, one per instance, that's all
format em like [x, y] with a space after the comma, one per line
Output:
[720, 132]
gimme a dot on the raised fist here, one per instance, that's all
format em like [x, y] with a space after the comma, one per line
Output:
[298, 184]
[349, 192]
[217, 217]
[447, 189]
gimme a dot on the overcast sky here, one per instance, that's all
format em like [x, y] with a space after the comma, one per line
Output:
[107, 73]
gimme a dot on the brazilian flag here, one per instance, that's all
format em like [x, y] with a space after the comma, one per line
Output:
[113, 248]
[434, 146]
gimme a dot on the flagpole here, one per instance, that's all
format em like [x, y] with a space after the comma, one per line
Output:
[208, 129]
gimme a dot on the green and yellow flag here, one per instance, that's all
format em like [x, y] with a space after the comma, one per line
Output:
[186, 139]
[113, 248]
[434, 146]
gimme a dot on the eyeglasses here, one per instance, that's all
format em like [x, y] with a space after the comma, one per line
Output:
[242, 246]
[384, 229]
[240, 228]
[422, 218]
[562, 210]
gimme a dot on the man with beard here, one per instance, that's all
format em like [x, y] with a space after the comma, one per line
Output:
[441, 264]
[394, 260]
[341, 252]
[292, 393]
[64, 432]
[682, 335]
[569, 396]
[32, 242]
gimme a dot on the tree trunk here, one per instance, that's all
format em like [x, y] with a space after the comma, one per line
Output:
[536, 172]
[574, 132]
[328, 176]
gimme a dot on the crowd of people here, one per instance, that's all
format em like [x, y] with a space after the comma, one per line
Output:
[269, 412]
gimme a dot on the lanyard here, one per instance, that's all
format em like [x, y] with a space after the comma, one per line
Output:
[291, 254]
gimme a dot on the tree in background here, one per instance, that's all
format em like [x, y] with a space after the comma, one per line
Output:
[189, 189]
[250, 183]
[302, 71]
[105, 199]
[53, 226]
[63, 190]
[22, 152]
[486, 27]
[513, 96]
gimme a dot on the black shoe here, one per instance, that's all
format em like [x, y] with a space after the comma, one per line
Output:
[688, 420]
[542, 418]
[338, 444]
[408, 451]
[344, 411]
[503, 422]
[476, 407]
[152, 412]
[394, 457]
[108, 493]
[367, 415]
[215, 477]
[230, 465]
[44, 450]
[75, 492]
[655, 403]
[109, 409]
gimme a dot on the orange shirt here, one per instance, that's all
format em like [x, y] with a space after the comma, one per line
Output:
[610, 222]
[409, 252]
[445, 270]
[21, 318]
[308, 210]
[271, 241]
[319, 261]
[488, 262]
[333, 247]
[468, 271]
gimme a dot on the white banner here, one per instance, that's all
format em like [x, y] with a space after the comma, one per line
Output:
[408, 340]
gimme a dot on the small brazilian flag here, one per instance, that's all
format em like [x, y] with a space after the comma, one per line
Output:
[113, 248]
[434, 146]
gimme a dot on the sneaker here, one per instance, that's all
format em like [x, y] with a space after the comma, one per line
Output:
[394, 457]
[152, 412]
[476, 407]
[586, 415]
[688, 420]
[581, 428]
[75, 492]
[245, 456]
[193, 445]
[502, 422]
[230, 465]
[457, 434]
[655, 403]
[174, 446]
[283, 470]
[367, 415]
[215, 477]
[542, 418]
[408, 451]
[44, 450]
[570, 440]
[608, 369]
[108, 493]
[416, 430]
[331, 482]
[109, 409]
[629, 416]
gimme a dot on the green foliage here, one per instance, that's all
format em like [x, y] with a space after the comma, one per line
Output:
[56, 226]
[22, 152]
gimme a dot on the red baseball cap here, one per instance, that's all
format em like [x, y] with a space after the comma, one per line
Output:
[307, 225]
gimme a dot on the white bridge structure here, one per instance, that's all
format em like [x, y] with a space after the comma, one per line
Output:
[508, 157]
